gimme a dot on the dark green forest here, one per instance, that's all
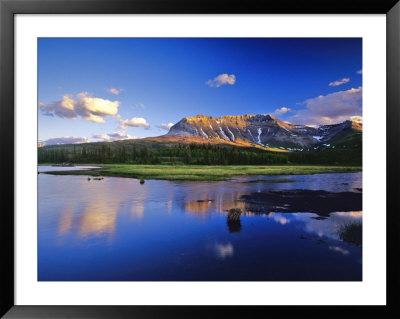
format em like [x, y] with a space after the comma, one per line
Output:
[191, 154]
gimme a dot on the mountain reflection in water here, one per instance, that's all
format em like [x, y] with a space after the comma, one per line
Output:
[117, 229]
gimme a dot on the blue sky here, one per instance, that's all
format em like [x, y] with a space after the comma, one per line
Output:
[107, 88]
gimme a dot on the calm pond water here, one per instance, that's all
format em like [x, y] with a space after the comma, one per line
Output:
[116, 229]
[46, 168]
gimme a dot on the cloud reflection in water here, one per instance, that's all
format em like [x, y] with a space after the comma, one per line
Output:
[223, 251]
[97, 215]
[312, 224]
[339, 250]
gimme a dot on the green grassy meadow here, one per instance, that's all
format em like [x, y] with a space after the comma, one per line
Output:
[202, 172]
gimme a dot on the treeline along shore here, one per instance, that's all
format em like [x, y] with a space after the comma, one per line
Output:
[192, 154]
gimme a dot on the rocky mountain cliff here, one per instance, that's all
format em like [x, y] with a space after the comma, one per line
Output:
[263, 130]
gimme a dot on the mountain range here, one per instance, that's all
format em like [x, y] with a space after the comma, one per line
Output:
[260, 131]
[227, 140]
[264, 131]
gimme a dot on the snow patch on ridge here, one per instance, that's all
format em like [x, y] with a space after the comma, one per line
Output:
[233, 136]
[204, 133]
[318, 138]
[259, 130]
[251, 135]
[223, 133]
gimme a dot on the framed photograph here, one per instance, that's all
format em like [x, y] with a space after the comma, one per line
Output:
[166, 159]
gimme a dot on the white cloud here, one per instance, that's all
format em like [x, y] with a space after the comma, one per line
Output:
[91, 109]
[330, 109]
[356, 118]
[221, 80]
[282, 110]
[359, 71]
[96, 106]
[114, 91]
[339, 82]
[94, 118]
[134, 122]
[64, 108]
[165, 126]
[116, 136]
[104, 137]
[65, 140]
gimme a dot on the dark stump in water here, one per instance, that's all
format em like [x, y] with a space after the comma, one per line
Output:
[300, 200]
[233, 220]
[234, 214]
[234, 226]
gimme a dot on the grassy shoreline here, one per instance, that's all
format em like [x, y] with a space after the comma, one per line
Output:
[203, 173]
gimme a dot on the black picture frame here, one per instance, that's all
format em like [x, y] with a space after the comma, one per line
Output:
[9, 8]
